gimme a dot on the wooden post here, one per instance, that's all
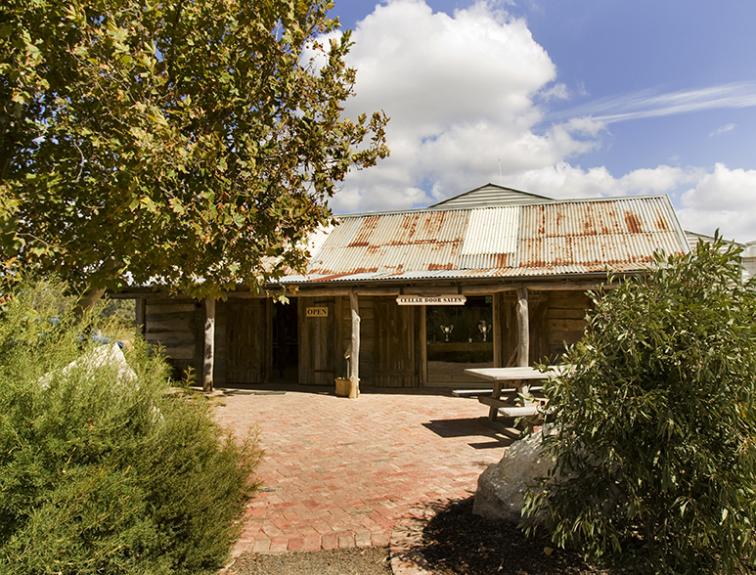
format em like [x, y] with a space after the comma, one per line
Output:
[209, 355]
[304, 371]
[523, 334]
[354, 362]
[523, 328]
[496, 331]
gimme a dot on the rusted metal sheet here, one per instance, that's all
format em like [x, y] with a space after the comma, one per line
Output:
[555, 238]
[589, 234]
[392, 244]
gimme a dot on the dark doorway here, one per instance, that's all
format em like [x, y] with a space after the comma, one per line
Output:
[285, 362]
[459, 337]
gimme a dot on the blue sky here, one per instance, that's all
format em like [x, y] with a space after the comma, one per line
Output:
[614, 47]
[568, 98]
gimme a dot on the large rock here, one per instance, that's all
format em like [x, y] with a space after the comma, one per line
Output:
[103, 356]
[501, 487]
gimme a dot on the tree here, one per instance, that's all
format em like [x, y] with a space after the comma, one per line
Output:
[656, 426]
[190, 143]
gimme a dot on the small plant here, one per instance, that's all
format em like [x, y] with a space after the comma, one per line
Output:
[101, 470]
[189, 377]
[656, 445]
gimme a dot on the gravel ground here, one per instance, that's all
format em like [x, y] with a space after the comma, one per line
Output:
[369, 561]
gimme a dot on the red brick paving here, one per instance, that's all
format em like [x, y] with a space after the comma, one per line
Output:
[339, 473]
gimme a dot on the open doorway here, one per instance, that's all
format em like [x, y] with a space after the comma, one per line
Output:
[459, 337]
[285, 364]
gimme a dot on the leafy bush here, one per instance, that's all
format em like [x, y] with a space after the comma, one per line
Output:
[656, 427]
[101, 472]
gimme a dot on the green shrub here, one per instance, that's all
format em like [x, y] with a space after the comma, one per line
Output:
[656, 427]
[101, 473]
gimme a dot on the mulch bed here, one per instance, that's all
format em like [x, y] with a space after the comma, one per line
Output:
[456, 542]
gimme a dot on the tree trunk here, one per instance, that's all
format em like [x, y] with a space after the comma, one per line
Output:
[88, 300]
[94, 294]
[209, 355]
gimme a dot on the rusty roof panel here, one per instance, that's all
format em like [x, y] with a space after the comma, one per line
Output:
[392, 243]
[569, 237]
[610, 232]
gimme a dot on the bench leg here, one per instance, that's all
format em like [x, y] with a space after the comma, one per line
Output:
[493, 411]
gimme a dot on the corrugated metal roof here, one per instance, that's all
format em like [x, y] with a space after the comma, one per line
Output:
[694, 237]
[550, 239]
[492, 231]
[488, 196]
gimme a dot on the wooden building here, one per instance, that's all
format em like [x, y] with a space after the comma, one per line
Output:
[415, 297]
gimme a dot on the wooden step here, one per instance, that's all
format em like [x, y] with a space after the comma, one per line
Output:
[502, 402]
[519, 411]
[471, 392]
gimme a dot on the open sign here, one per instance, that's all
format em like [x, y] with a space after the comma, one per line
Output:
[316, 311]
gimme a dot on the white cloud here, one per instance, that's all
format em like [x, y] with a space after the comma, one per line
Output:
[724, 129]
[651, 104]
[460, 92]
[466, 94]
[556, 91]
[566, 181]
[724, 198]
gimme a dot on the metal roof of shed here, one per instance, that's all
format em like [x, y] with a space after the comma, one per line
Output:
[490, 195]
[554, 238]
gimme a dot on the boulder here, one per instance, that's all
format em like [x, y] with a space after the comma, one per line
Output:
[103, 356]
[501, 487]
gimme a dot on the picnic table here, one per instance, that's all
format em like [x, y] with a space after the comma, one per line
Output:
[518, 381]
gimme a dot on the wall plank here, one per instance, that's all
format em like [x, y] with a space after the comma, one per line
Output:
[317, 343]
[246, 348]
[173, 324]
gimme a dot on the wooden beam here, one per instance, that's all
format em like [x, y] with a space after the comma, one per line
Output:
[441, 288]
[268, 342]
[248, 295]
[497, 331]
[471, 286]
[209, 355]
[354, 361]
[574, 285]
[523, 328]
[343, 292]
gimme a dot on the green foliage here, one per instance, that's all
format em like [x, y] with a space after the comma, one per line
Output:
[171, 139]
[656, 444]
[101, 473]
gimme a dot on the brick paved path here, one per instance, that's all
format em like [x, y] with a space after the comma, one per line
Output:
[339, 472]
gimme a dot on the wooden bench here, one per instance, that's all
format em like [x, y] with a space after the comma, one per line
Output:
[488, 391]
[501, 401]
